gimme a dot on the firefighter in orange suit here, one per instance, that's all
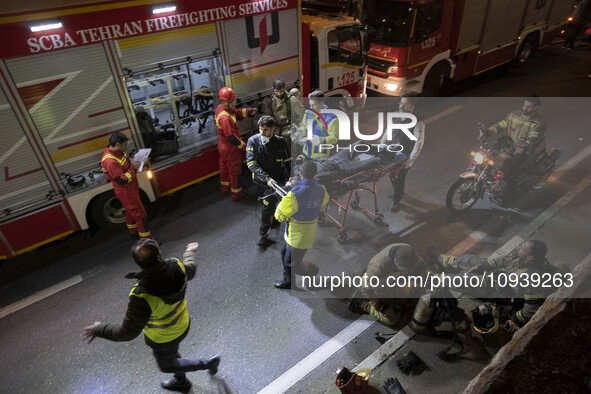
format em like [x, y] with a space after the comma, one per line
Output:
[121, 172]
[230, 146]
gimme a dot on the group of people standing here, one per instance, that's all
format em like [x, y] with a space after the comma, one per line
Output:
[157, 304]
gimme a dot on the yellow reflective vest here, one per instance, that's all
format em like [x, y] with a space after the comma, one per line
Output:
[167, 321]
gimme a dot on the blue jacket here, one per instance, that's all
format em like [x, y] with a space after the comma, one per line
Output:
[300, 208]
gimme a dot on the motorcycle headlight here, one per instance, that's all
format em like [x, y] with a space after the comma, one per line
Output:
[479, 158]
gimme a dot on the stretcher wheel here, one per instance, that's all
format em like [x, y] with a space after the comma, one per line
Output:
[321, 218]
[354, 204]
[342, 237]
[379, 219]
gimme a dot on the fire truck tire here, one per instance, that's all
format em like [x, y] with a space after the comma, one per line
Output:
[107, 211]
[434, 80]
[526, 50]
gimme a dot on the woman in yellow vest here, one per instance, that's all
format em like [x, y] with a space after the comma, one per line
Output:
[158, 307]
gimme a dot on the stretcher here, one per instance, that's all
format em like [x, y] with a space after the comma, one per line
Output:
[365, 180]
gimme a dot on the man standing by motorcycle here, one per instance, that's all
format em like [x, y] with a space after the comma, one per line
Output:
[526, 128]
[410, 150]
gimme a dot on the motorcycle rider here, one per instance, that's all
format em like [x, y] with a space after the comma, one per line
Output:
[526, 128]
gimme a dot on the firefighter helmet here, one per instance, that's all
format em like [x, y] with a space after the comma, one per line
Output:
[227, 94]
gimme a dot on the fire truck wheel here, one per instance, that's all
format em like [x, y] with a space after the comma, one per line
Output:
[107, 211]
[527, 48]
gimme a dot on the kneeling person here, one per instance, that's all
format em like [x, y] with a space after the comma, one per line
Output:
[386, 303]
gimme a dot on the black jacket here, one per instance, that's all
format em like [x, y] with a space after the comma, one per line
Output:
[167, 281]
[268, 160]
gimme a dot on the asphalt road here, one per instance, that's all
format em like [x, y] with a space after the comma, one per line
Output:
[262, 332]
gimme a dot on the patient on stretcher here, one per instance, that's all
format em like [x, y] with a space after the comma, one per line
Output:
[336, 173]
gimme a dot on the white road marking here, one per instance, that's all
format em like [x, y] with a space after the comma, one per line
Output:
[442, 114]
[318, 356]
[402, 336]
[571, 163]
[387, 349]
[542, 218]
[39, 296]
[558, 173]
[467, 243]
[308, 364]
[14, 307]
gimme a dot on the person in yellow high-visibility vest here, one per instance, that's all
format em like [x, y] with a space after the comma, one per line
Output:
[158, 307]
[300, 209]
[325, 128]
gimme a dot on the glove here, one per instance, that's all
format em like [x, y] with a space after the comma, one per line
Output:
[316, 140]
[393, 386]
[299, 137]
[292, 130]
[271, 182]
[252, 112]
[408, 362]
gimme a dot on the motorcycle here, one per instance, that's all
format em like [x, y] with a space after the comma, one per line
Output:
[486, 172]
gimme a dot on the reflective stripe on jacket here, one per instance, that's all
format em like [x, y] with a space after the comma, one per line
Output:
[226, 122]
[167, 321]
[522, 127]
[327, 136]
[300, 208]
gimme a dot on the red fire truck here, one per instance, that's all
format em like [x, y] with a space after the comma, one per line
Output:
[71, 76]
[416, 44]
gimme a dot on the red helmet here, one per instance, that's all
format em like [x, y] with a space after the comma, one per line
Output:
[227, 94]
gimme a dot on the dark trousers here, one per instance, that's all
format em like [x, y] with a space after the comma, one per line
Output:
[291, 257]
[512, 167]
[269, 205]
[398, 184]
[572, 31]
[169, 361]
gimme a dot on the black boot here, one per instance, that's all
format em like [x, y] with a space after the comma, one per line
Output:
[174, 384]
[212, 364]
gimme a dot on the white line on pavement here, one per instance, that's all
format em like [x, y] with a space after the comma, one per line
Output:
[39, 296]
[309, 363]
[558, 173]
[542, 218]
[442, 114]
[25, 302]
[467, 243]
[401, 337]
[571, 163]
[300, 370]
[387, 349]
